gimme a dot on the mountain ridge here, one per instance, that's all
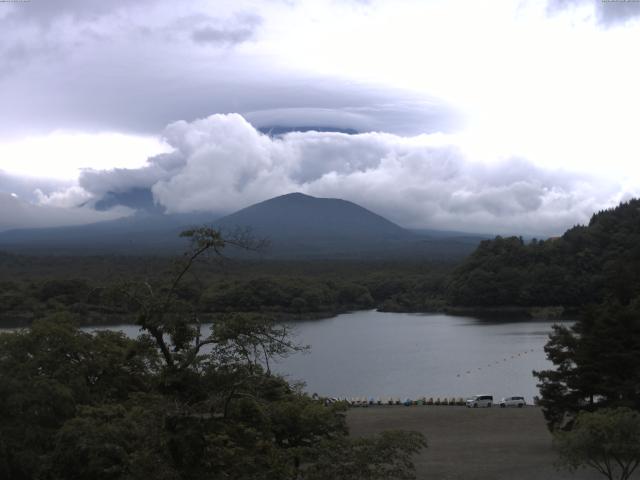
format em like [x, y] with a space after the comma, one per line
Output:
[299, 226]
[319, 217]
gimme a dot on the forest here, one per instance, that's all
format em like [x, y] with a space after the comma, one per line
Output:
[33, 286]
[585, 266]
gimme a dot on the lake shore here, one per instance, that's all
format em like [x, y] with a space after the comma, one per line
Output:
[471, 444]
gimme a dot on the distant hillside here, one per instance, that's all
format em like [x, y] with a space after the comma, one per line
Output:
[300, 216]
[588, 264]
[302, 226]
[138, 234]
[299, 227]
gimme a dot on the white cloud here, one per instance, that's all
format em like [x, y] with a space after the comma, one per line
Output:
[74, 196]
[222, 163]
[62, 155]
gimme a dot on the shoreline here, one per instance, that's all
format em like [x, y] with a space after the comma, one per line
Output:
[24, 319]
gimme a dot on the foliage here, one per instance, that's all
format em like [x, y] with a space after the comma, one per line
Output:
[597, 364]
[378, 458]
[586, 265]
[291, 290]
[607, 440]
[178, 402]
[48, 371]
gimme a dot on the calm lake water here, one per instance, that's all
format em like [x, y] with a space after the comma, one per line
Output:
[373, 354]
[408, 355]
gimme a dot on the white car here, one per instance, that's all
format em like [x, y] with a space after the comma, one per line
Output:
[480, 401]
[513, 402]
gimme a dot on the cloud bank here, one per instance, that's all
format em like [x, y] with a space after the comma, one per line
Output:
[17, 213]
[222, 163]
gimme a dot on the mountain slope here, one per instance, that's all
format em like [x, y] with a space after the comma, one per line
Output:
[296, 215]
[298, 226]
[137, 234]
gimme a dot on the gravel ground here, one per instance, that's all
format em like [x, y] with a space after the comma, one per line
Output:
[472, 444]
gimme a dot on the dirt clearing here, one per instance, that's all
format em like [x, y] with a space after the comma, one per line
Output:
[472, 444]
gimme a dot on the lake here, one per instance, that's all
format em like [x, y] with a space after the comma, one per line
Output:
[369, 353]
[408, 355]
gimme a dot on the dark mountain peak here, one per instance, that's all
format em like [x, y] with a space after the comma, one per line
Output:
[302, 200]
[296, 215]
[293, 196]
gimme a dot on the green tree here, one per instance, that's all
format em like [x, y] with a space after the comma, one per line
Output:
[388, 455]
[48, 372]
[607, 440]
[597, 364]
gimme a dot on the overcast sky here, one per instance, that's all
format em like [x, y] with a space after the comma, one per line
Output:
[502, 117]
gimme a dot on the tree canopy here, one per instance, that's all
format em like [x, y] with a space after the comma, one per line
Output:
[587, 265]
[607, 440]
[597, 364]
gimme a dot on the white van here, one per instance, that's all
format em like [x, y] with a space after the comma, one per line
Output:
[513, 402]
[480, 401]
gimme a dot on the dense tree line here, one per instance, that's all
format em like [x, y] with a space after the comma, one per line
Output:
[287, 289]
[587, 265]
[597, 364]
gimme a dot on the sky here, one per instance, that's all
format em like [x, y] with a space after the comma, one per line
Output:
[509, 117]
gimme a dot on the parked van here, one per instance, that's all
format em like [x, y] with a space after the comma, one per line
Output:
[480, 401]
[513, 402]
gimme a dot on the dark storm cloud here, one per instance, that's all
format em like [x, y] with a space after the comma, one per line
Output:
[607, 12]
